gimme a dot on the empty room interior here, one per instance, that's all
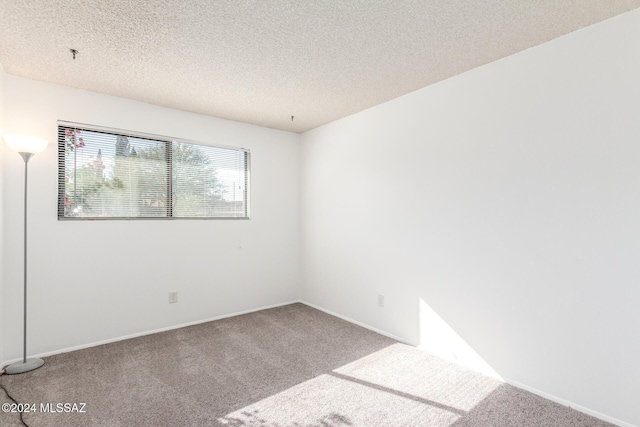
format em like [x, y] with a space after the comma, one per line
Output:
[334, 213]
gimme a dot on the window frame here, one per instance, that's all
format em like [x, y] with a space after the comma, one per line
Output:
[143, 135]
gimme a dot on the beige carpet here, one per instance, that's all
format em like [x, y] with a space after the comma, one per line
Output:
[292, 366]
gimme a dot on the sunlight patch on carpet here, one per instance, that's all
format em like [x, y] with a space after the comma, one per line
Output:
[397, 385]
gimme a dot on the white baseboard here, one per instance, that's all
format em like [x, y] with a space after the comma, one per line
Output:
[141, 334]
[355, 322]
[572, 405]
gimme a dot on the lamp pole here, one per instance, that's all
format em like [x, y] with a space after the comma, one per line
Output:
[26, 157]
[25, 365]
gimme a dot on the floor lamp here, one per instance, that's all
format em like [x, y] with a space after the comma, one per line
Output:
[26, 146]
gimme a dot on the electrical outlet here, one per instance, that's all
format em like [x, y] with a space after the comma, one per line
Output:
[380, 300]
[173, 297]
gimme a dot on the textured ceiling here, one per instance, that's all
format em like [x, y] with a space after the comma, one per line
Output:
[261, 62]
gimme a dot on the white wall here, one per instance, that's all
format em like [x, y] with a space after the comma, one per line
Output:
[97, 280]
[507, 199]
[2, 154]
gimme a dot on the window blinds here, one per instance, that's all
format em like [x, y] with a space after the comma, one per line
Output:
[105, 173]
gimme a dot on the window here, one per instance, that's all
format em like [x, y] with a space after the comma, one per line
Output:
[106, 173]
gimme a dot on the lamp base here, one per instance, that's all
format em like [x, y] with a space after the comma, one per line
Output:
[21, 367]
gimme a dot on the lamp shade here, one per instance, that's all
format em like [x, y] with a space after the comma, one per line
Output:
[25, 143]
